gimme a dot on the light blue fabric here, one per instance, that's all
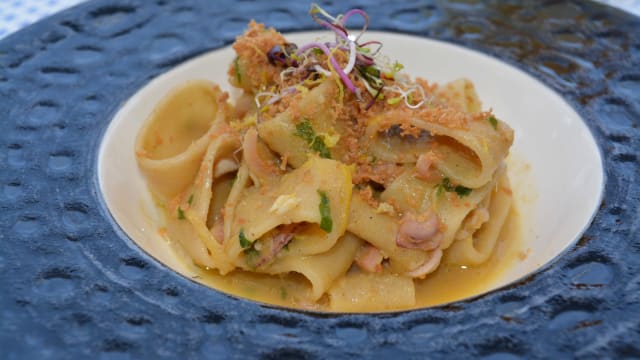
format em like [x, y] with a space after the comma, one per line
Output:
[632, 6]
[16, 14]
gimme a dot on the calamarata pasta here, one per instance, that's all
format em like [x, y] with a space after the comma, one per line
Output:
[334, 177]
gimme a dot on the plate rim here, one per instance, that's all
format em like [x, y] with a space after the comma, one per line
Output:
[35, 32]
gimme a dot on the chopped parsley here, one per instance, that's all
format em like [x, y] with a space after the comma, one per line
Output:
[462, 191]
[181, 215]
[446, 185]
[252, 256]
[493, 121]
[250, 251]
[319, 146]
[305, 131]
[326, 223]
[237, 69]
[244, 242]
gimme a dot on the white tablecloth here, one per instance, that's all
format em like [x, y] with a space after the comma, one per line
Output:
[16, 14]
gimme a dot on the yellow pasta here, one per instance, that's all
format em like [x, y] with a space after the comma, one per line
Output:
[369, 292]
[322, 269]
[345, 181]
[294, 200]
[475, 242]
[170, 146]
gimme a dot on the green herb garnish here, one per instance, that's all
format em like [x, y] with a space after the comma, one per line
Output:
[283, 293]
[462, 191]
[250, 251]
[251, 257]
[446, 185]
[319, 146]
[305, 131]
[244, 242]
[237, 69]
[326, 223]
[181, 213]
[493, 121]
[190, 200]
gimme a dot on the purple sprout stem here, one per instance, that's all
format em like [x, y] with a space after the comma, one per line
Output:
[341, 32]
[344, 77]
[352, 12]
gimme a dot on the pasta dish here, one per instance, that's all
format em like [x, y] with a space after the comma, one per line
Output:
[334, 179]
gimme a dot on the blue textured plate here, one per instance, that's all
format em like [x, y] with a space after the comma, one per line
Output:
[73, 285]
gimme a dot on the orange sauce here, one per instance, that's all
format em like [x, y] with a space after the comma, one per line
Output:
[447, 284]
[454, 282]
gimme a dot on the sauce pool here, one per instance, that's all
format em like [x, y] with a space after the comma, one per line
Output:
[447, 284]
[454, 282]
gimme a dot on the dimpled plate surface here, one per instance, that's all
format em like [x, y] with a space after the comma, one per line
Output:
[73, 285]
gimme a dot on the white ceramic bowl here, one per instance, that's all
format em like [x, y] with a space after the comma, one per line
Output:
[555, 165]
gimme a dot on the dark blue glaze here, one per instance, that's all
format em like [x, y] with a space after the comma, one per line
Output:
[72, 285]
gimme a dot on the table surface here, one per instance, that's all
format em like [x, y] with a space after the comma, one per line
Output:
[16, 14]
